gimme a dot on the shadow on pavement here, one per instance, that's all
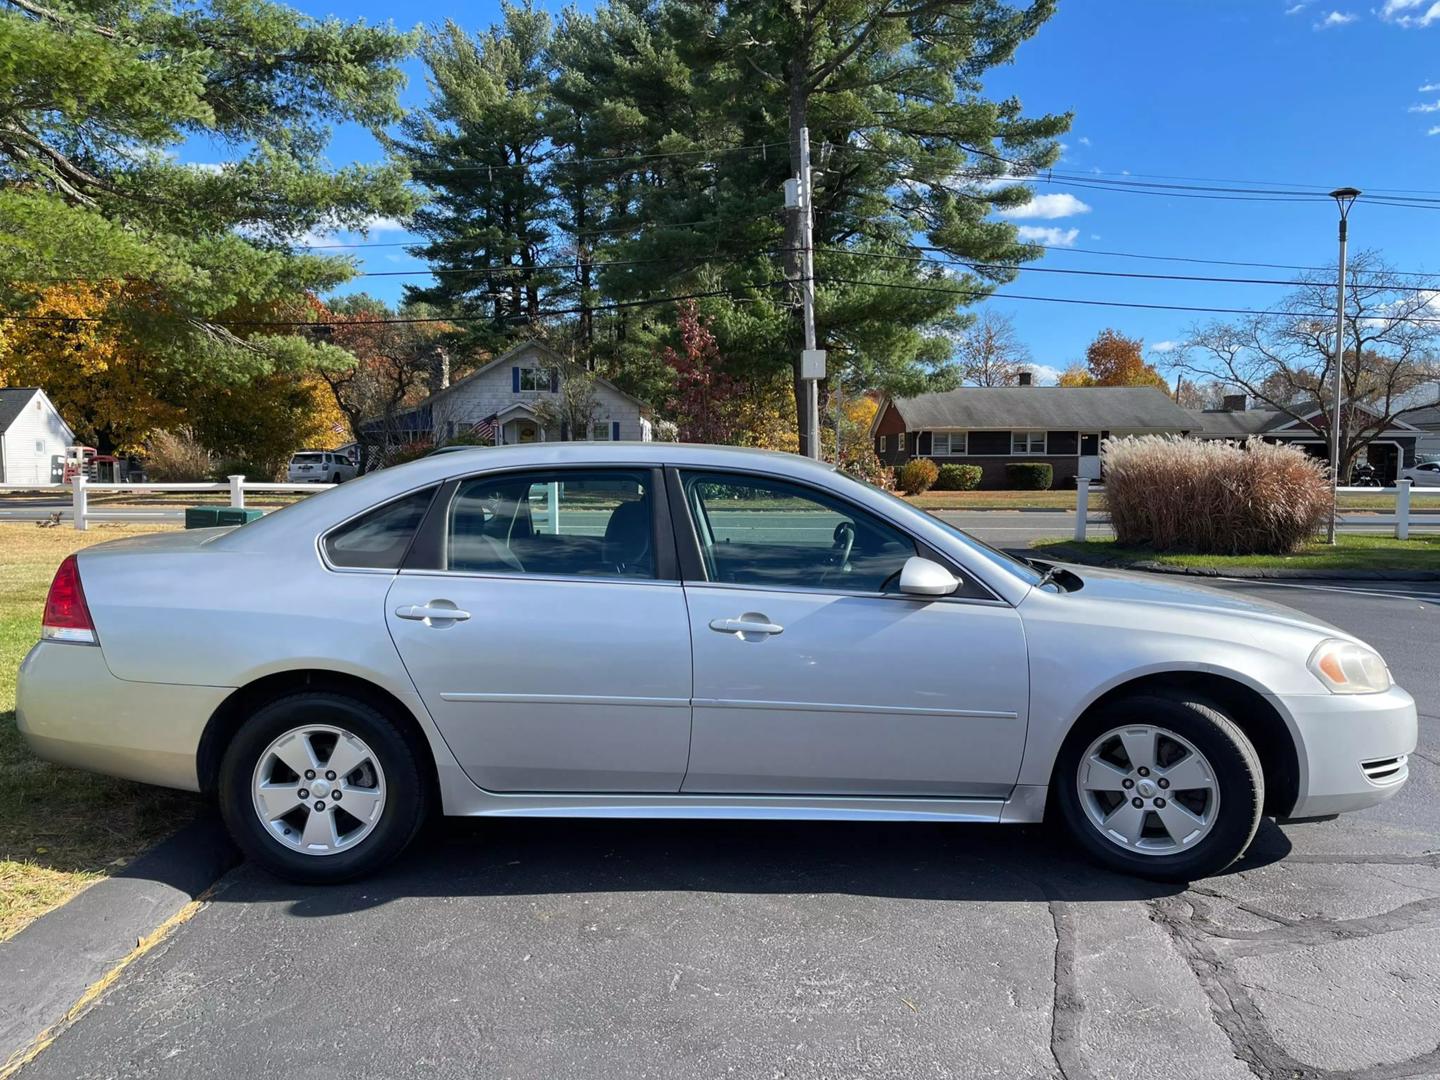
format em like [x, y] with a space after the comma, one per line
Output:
[468, 857]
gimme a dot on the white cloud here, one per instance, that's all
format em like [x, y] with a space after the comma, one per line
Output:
[1428, 87]
[1411, 12]
[1432, 106]
[1048, 208]
[1094, 236]
[1084, 140]
[1434, 130]
[1050, 237]
[215, 168]
[1295, 10]
[1044, 374]
[1339, 18]
[325, 233]
[1164, 346]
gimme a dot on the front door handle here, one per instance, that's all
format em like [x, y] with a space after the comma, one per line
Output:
[442, 612]
[752, 626]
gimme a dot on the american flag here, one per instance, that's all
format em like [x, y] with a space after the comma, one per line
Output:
[486, 428]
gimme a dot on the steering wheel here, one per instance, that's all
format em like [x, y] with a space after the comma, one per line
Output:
[837, 561]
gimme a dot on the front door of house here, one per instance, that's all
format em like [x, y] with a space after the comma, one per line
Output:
[1089, 466]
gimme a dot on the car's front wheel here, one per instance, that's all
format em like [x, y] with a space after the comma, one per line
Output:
[319, 787]
[1161, 787]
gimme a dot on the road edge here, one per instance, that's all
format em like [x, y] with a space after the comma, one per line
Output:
[55, 967]
[1066, 553]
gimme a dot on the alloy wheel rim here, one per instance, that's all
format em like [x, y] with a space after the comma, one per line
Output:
[1148, 790]
[318, 790]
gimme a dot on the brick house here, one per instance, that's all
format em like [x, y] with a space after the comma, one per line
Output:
[992, 426]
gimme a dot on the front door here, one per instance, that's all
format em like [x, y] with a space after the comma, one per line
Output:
[1089, 465]
[550, 653]
[813, 677]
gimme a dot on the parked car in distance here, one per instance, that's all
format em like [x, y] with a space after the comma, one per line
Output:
[666, 631]
[1426, 474]
[320, 467]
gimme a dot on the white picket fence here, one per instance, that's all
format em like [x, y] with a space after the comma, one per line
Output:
[81, 488]
[1400, 492]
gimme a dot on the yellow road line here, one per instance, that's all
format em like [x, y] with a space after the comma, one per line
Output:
[23, 1057]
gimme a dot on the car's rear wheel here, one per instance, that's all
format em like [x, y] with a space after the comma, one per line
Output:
[319, 787]
[1161, 787]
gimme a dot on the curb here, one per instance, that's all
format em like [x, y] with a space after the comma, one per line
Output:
[47, 968]
[1084, 558]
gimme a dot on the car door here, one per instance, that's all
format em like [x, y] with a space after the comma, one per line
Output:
[542, 621]
[812, 676]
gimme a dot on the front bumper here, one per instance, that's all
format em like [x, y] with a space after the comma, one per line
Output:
[1353, 748]
[71, 710]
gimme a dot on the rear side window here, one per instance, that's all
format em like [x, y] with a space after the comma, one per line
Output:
[379, 538]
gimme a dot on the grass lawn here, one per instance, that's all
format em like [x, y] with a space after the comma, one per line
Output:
[60, 829]
[1351, 552]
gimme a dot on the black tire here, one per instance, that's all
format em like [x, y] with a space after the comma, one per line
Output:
[407, 794]
[335, 479]
[1232, 757]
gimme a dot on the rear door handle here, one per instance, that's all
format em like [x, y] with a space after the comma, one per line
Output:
[747, 624]
[442, 611]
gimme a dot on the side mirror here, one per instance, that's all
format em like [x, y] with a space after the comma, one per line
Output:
[921, 577]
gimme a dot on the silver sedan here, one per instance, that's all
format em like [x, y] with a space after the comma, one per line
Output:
[662, 631]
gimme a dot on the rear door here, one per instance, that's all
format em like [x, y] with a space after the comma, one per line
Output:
[813, 676]
[541, 618]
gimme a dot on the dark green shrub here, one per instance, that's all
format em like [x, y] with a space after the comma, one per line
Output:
[958, 478]
[917, 475]
[1029, 475]
[251, 470]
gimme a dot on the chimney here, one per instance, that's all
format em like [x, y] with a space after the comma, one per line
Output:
[1025, 378]
[439, 369]
[1234, 402]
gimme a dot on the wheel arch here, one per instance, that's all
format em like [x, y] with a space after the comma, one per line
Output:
[227, 719]
[1250, 710]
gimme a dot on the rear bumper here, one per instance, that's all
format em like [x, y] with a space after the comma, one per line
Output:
[71, 710]
[1353, 749]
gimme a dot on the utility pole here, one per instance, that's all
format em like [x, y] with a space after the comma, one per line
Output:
[1344, 199]
[798, 196]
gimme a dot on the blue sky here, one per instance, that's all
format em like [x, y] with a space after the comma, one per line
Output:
[1288, 93]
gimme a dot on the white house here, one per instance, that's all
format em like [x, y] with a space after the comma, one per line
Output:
[498, 401]
[33, 437]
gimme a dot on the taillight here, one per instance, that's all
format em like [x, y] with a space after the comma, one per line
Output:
[67, 616]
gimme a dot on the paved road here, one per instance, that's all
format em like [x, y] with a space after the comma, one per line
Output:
[596, 949]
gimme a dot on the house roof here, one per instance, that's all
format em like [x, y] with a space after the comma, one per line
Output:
[1236, 424]
[1055, 408]
[13, 402]
[509, 355]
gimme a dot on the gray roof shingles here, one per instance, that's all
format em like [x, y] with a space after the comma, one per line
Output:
[1237, 424]
[12, 402]
[1053, 408]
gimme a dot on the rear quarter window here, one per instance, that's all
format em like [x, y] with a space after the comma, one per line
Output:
[379, 538]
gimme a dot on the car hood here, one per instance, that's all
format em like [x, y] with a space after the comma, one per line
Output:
[1185, 596]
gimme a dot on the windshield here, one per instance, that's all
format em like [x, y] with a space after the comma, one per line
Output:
[1008, 563]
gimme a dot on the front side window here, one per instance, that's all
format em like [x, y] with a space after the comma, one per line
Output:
[1027, 442]
[379, 538]
[534, 378]
[763, 532]
[568, 523]
[947, 444]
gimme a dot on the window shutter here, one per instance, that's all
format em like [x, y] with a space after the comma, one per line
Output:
[926, 443]
[515, 380]
[554, 380]
[615, 430]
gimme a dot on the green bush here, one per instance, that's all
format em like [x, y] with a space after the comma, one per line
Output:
[1029, 475]
[958, 478]
[917, 476]
[251, 470]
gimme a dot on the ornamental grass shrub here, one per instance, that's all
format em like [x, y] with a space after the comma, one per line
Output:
[1213, 498]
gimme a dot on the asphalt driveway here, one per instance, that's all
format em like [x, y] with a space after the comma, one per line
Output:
[597, 949]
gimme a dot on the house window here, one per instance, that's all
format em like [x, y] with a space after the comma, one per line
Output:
[535, 379]
[600, 431]
[39, 446]
[1027, 442]
[947, 444]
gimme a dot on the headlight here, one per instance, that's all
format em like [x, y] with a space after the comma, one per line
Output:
[1347, 668]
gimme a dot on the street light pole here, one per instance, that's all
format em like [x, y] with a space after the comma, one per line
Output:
[1344, 199]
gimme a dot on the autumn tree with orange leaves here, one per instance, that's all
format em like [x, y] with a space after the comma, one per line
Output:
[1113, 359]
